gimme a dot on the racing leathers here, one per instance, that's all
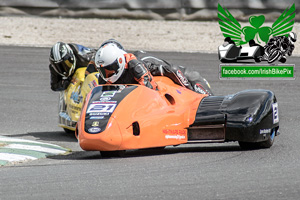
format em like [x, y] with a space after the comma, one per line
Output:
[134, 73]
[83, 56]
[189, 79]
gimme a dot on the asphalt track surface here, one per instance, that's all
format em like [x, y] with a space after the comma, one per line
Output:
[205, 171]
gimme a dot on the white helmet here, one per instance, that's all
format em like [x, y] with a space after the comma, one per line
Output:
[112, 41]
[111, 58]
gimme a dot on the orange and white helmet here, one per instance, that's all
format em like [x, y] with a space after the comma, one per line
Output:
[110, 58]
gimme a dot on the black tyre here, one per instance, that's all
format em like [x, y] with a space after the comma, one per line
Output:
[155, 148]
[108, 154]
[249, 145]
[258, 145]
[268, 143]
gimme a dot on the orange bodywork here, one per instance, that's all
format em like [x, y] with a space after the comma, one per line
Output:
[145, 118]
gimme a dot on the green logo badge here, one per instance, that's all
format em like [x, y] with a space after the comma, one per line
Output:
[230, 27]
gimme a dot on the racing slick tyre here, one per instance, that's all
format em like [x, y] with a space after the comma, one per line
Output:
[268, 143]
[249, 145]
[257, 145]
[108, 154]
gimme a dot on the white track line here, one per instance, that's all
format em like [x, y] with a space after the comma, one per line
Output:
[15, 157]
[34, 148]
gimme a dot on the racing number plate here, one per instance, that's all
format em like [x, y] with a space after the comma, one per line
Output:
[101, 107]
[275, 113]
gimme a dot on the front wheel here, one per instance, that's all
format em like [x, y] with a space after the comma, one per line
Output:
[257, 145]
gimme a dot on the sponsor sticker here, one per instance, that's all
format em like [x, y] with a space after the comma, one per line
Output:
[175, 134]
[92, 84]
[182, 78]
[94, 130]
[98, 114]
[95, 123]
[76, 97]
[174, 131]
[264, 131]
[176, 137]
[101, 108]
[198, 88]
[97, 117]
[105, 99]
[275, 113]
[108, 94]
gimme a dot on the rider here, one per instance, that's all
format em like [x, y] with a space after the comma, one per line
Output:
[177, 73]
[64, 60]
[159, 67]
[117, 66]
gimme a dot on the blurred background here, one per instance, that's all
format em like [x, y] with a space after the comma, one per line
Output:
[186, 10]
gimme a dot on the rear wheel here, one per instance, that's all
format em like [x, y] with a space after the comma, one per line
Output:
[268, 143]
[108, 154]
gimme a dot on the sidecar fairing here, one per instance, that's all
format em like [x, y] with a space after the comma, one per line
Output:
[134, 117]
[250, 117]
[118, 117]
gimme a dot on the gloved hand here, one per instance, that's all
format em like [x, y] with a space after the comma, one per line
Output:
[65, 83]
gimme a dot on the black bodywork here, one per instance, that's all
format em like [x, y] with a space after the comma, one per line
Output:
[247, 116]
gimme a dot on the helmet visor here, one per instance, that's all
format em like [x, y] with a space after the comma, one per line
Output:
[113, 67]
[64, 67]
[110, 73]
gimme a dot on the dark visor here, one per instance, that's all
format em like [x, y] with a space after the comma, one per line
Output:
[113, 67]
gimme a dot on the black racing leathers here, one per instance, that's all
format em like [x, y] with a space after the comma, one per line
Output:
[83, 56]
[178, 74]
